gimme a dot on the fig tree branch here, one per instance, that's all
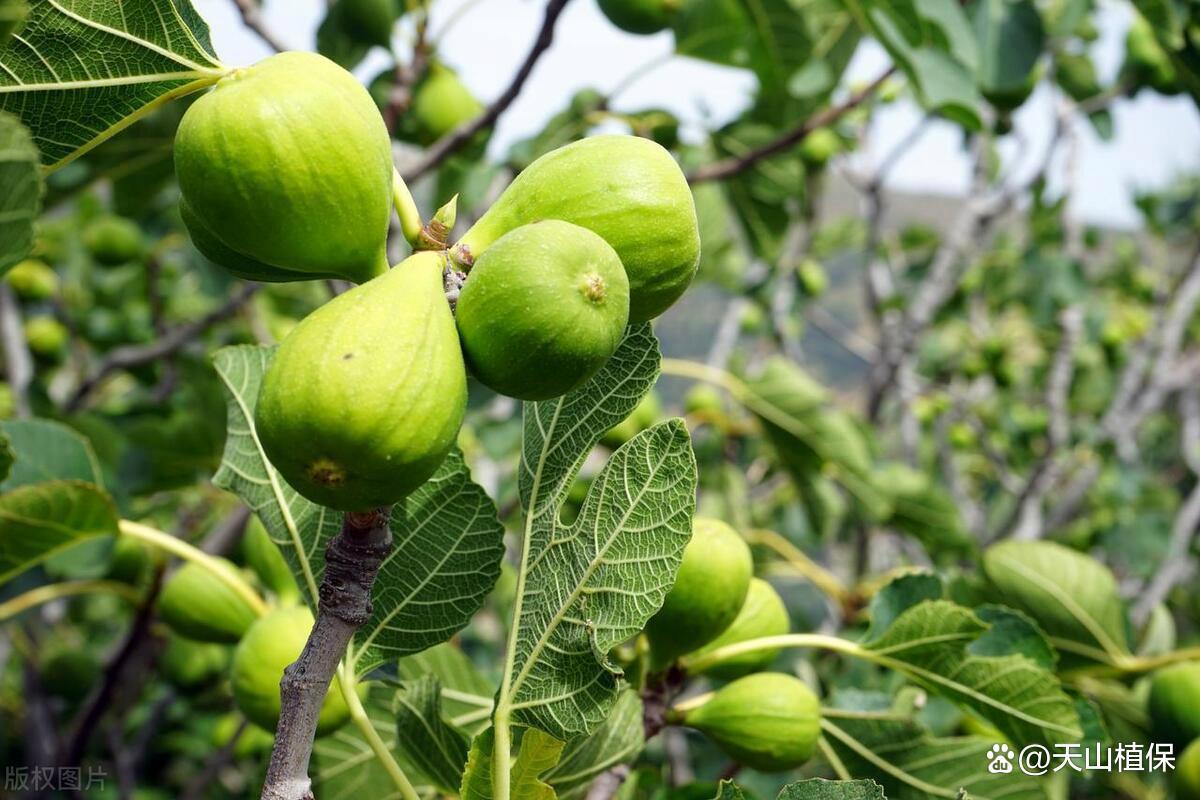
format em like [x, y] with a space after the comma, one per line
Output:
[729, 167]
[454, 141]
[174, 340]
[251, 13]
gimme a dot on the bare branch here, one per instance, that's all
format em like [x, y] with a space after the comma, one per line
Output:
[252, 18]
[454, 141]
[18, 363]
[732, 166]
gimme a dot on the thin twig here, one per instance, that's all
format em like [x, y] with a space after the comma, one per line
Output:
[454, 141]
[130, 356]
[732, 166]
[252, 18]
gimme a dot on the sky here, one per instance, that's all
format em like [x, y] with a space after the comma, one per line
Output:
[1156, 139]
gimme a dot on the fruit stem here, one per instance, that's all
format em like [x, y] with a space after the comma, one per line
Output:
[180, 548]
[435, 234]
[823, 579]
[54, 591]
[406, 209]
[501, 753]
[363, 722]
[814, 641]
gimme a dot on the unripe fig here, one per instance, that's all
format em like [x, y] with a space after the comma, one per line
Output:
[709, 591]
[703, 400]
[190, 665]
[267, 649]
[813, 280]
[1187, 773]
[129, 561]
[441, 102]
[33, 280]
[647, 412]
[820, 146]
[68, 673]
[628, 190]
[288, 164]
[763, 614]
[365, 397]
[1174, 703]
[46, 337]
[367, 21]
[112, 240]
[264, 557]
[199, 605]
[254, 741]
[767, 721]
[640, 16]
[542, 310]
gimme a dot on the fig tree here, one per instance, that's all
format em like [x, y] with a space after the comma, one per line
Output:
[709, 591]
[264, 557]
[646, 413]
[267, 649]
[767, 721]
[1187, 773]
[190, 665]
[253, 742]
[542, 310]
[364, 398]
[763, 614]
[199, 605]
[820, 146]
[628, 190]
[1174, 703]
[33, 280]
[640, 16]
[129, 561]
[112, 240]
[68, 673]
[285, 170]
[441, 102]
[46, 337]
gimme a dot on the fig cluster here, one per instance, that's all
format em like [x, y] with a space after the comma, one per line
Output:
[285, 172]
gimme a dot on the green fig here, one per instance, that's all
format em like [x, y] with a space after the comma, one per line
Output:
[68, 673]
[112, 241]
[628, 190]
[365, 396]
[642, 17]
[647, 412]
[265, 558]
[199, 605]
[767, 721]
[287, 165]
[33, 280]
[253, 742]
[129, 561]
[47, 337]
[267, 649]
[1174, 703]
[190, 665]
[812, 277]
[1187, 773]
[441, 102]
[763, 614]
[709, 591]
[703, 400]
[819, 146]
[542, 310]
[367, 21]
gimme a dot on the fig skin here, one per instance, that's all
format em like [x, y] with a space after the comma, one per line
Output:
[441, 102]
[112, 240]
[709, 591]
[1175, 703]
[1187, 773]
[288, 164]
[763, 614]
[543, 310]
[265, 558]
[628, 190]
[365, 396]
[641, 17]
[198, 605]
[267, 649]
[766, 721]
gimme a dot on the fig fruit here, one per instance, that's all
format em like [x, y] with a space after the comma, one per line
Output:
[646, 413]
[68, 673]
[365, 396]
[199, 605]
[190, 665]
[542, 310]
[1174, 703]
[267, 649]
[820, 146]
[254, 741]
[640, 16]
[767, 721]
[1187, 773]
[285, 170]
[812, 277]
[266, 560]
[33, 280]
[763, 614]
[46, 337]
[112, 241]
[628, 190]
[129, 561]
[441, 102]
[709, 591]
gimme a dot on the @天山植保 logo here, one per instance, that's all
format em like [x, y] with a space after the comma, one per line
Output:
[1000, 759]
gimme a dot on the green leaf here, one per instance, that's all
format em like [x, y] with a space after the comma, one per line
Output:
[1010, 37]
[538, 753]
[79, 72]
[770, 37]
[587, 587]
[6, 457]
[45, 450]
[911, 764]
[618, 740]
[12, 17]
[477, 775]
[439, 750]
[466, 693]
[821, 789]
[447, 541]
[898, 596]
[924, 510]
[1072, 597]
[42, 519]
[20, 191]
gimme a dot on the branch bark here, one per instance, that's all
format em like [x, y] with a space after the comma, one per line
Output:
[458, 138]
[252, 18]
[352, 560]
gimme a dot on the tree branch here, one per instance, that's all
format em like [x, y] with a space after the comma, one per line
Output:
[454, 141]
[352, 560]
[252, 18]
[732, 166]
